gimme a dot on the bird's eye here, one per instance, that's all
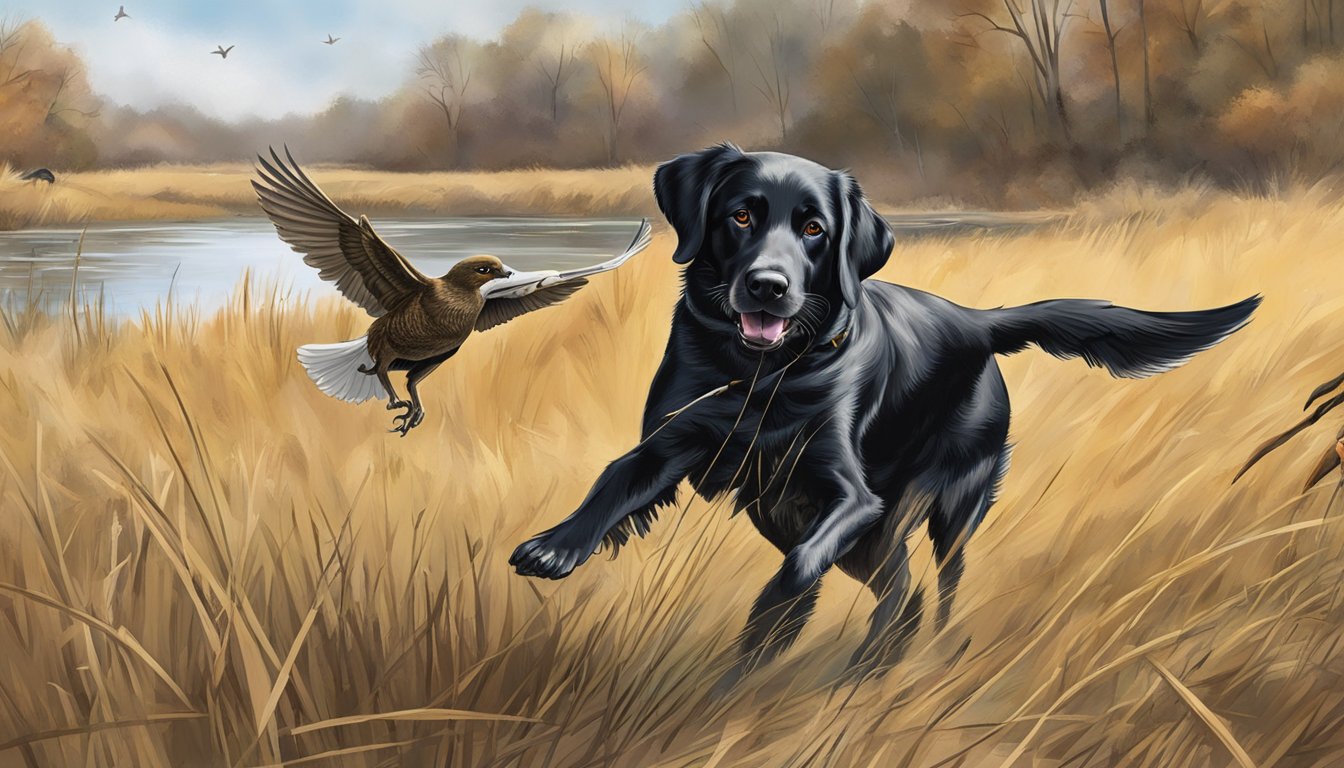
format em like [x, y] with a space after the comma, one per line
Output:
[484, 270]
[742, 217]
[812, 229]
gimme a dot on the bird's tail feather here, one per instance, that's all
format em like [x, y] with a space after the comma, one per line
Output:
[334, 368]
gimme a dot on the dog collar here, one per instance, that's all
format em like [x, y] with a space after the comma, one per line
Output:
[839, 338]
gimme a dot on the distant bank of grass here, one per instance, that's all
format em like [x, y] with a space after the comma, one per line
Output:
[192, 192]
[203, 561]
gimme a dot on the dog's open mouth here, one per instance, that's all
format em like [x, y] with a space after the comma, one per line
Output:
[762, 330]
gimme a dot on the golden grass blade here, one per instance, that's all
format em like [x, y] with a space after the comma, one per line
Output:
[424, 714]
[118, 635]
[1197, 706]
[74, 283]
[1091, 678]
[84, 730]
[282, 676]
[158, 530]
[343, 752]
[732, 733]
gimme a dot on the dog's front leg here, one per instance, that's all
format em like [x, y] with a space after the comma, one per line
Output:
[636, 483]
[787, 601]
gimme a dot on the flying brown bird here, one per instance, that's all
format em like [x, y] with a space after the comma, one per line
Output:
[121, 13]
[331, 40]
[222, 52]
[419, 321]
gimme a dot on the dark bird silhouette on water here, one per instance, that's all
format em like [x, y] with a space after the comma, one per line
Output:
[121, 13]
[41, 174]
[331, 40]
[419, 321]
[222, 51]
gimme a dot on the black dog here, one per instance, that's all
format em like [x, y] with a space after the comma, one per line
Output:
[861, 409]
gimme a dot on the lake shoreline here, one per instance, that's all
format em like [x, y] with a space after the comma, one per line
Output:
[204, 192]
[220, 191]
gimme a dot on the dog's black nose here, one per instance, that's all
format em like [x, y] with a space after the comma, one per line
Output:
[766, 284]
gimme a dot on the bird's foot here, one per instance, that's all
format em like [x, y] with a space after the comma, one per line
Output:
[394, 404]
[409, 420]
[549, 555]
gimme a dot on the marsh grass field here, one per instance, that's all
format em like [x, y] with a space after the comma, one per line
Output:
[205, 562]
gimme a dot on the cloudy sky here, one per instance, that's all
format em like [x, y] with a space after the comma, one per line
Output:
[279, 66]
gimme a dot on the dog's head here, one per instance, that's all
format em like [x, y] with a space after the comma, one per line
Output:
[777, 244]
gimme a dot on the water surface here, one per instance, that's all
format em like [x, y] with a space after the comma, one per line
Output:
[134, 266]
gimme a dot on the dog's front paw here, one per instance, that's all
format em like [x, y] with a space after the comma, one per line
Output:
[548, 555]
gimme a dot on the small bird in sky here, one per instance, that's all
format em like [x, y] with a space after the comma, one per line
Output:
[222, 51]
[419, 321]
[121, 13]
[331, 40]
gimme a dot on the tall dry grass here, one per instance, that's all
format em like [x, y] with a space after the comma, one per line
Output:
[172, 192]
[205, 562]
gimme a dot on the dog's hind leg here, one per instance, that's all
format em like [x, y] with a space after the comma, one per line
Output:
[898, 612]
[958, 510]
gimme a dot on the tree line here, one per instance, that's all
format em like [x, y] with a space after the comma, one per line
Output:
[1000, 101]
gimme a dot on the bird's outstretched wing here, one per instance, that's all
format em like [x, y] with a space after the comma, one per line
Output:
[524, 292]
[365, 269]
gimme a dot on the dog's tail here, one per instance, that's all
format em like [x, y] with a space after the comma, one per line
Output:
[1130, 343]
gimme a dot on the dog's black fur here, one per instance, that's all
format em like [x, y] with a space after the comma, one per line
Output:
[881, 408]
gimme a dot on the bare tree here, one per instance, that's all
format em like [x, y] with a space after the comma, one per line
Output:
[880, 101]
[447, 69]
[619, 66]
[772, 71]
[1191, 13]
[12, 43]
[717, 35]
[1268, 63]
[1147, 77]
[557, 70]
[1325, 22]
[1112, 32]
[63, 100]
[1039, 25]
[825, 11]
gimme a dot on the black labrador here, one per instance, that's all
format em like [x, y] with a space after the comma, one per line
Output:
[842, 412]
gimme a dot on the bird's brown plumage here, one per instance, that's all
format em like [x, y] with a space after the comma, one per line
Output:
[436, 319]
[419, 321]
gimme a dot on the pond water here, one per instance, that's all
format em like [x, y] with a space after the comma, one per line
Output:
[134, 266]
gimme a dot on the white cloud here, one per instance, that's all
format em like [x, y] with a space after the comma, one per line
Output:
[279, 66]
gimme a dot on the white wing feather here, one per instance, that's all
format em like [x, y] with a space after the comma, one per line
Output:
[520, 284]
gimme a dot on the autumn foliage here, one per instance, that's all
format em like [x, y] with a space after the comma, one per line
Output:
[1015, 102]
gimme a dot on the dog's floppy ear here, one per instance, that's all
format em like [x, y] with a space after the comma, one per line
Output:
[682, 187]
[865, 238]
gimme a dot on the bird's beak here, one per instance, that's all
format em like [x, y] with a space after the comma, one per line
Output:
[508, 273]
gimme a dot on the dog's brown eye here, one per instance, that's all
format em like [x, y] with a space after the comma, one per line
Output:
[812, 229]
[742, 216]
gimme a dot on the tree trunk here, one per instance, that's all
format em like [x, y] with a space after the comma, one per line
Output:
[1115, 71]
[1147, 81]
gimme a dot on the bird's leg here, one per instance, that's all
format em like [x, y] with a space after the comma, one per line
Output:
[415, 414]
[393, 402]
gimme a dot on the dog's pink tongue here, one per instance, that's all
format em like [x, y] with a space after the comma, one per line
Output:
[762, 327]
